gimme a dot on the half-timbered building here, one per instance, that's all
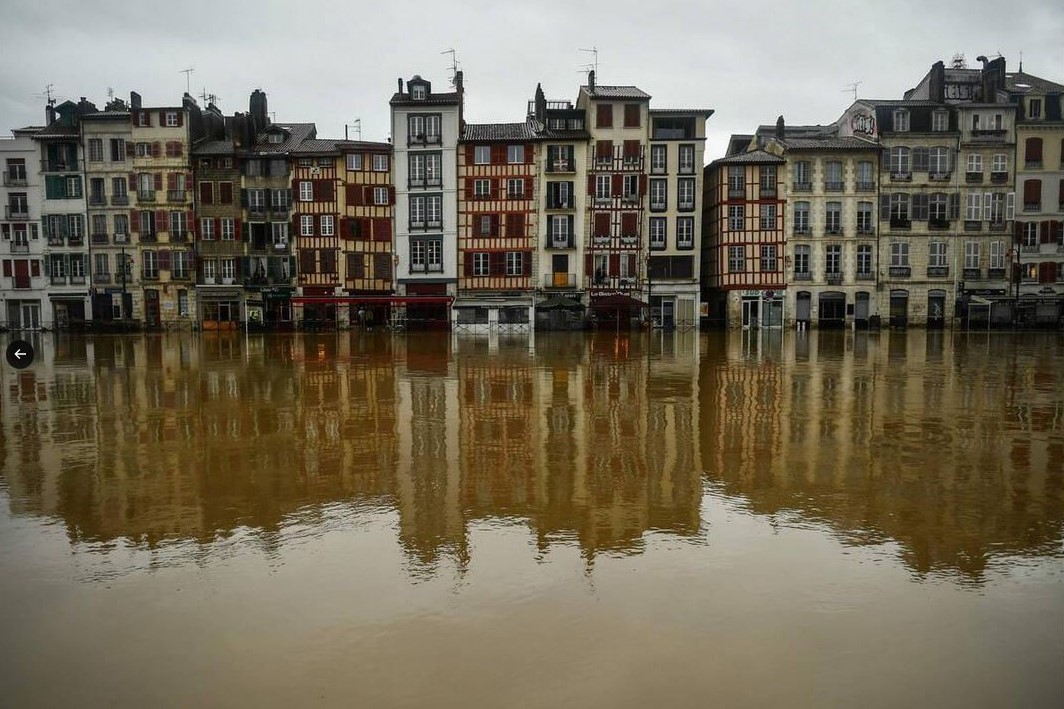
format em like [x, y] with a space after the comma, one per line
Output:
[316, 234]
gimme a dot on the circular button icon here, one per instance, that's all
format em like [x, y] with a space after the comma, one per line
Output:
[20, 354]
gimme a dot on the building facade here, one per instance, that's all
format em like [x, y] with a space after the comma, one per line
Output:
[24, 292]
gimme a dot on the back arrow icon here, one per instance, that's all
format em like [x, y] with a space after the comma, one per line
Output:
[19, 354]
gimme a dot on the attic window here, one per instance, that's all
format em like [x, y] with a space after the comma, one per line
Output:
[417, 92]
[275, 138]
[901, 120]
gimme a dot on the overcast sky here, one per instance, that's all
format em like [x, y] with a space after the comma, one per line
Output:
[331, 62]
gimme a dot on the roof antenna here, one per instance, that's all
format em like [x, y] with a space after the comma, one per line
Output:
[357, 125]
[853, 87]
[188, 79]
[48, 94]
[1021, 61]
[455, 66]
[593, 51]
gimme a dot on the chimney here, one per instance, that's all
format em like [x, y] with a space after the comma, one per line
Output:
[591, 81]
[541, 104]
[134, 100]
[257, 109]
[936, 85]
[993, 78]
[780, 128]
[400, 84]
[460, 88]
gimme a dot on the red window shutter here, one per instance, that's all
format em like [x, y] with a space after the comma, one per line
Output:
[350, 194]
[7, 268]
[529, 153]
[162, 118]
[589, 265]
[604, 149]
[1060, 188]
[631, 148]
[180, 119]
[498, 263]
[158, 181]
[618, 184]
[591, 184]
[225, 192]
[469, 154]
[1033, 150]
[602, 224]
[134, 222]
[642, 185]
[237, 230]
[365, 229]
[35, 268]
[1032, 191]
[217, 229]
[206, 192]
[325, 189]
[156, 149]
[615, 264]
[526, 263]
[604, 115]
[628, 222]
[467, 265]
[162, 220]
[133, 182]
[382, 229]
[164, 260]
[391, 196]
[1017, 232]
[179, 149]
[190, 219]
[345, 228]
[495, 230]
[171, 180]
[528, 187]
[469, 188]
[498, 155]
[367, 195]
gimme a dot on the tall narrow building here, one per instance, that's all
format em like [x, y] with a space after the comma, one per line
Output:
[23, 290]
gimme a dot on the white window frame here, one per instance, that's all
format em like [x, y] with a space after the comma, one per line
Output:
[481, 263]
[228, 229]
[736, 217]
[802, 259]
[171, 119]
[736, 259]
[685, 193]
[482, 188]
[900, 120]
[210, 270]
[515, 154]
[354, 162]
[975, 162]
[685, 232]
[997, 254]
[659, 194]
[417, 212]
[207, 229]
[659, 235]
[971, 254]
[659, 159]
[686, 159]
[328, 225]
[832, 260]
[801, 217]
[515, 188]
[899, 254]
[937, 254]
[999, 163]
[306, 225]
[864, 259]
[227, 267]
[380, 196]
[603, 187]
[974, 207]
[939, 121]
[380, 162]
[306, 191]
[769, 258]
[434, 211]
[515, 263]
[481, 154]
[767, 217]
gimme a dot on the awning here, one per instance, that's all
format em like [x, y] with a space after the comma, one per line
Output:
[559, 301]
[374, 299]
[616, 301]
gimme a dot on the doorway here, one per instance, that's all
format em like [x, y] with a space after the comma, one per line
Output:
[936, 309]
[802, 306]
[861, 310]
[750, 313]
[899, 308]
[151, 308]
[832, 312]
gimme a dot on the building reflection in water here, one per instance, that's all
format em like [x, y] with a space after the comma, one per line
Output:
[950, 446]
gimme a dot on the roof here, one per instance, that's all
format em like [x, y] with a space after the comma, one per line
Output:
[902, 103]
[750, 156]
[213, 147]
[497, 131]
[615, 92]
[106, 114]
[831, 143]
[707, 112]
[433, 99]
[297, 133]
[58, 130]
[362, 145]
[316, 146]
[816, 131]
[1022, 82]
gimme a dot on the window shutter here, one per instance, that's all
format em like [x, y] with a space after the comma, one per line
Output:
[180, 119]
[190, 221]
[133, 182]
[498, 263]
[391, 196]
[467, 257]
[618, 185]
[604, 149]
[602, 224]
[134, 222]
[469, 154]
[469, 188]
[158, 181]
[589, 265]
[156, 149]
[884, 207]
[353, 195]
[498, 155]
[529, 183]
[367, 195]
[325, 189]
[526, 263]
[217, 228]
[631, 148]
[162, 222]
[179, 149]
[591, 184]
[382, 229]
[1010, 205]
[1032, 191]
[206, 193]
[171, 181]
[954, 206]
[164, 260]
[615, 264]
[628, 223]
[1033, 150]
[1060, 189]
[238, 230]
[642, 185]
[131, 149]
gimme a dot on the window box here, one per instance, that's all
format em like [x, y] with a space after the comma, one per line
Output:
[865, 230]
[937, 271]
[833, 230]
[999, 177]
[938, 176]
[803, 186]
[20, 247]
[900, 271]
[1032, 206]
[803, 276]
[997, 226]
[901, 176]
[101, 278]
[98, 239]
[972, 273]
[973, 177]
[16, 214]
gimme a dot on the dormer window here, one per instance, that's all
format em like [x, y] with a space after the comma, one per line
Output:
[1035, 107]
[901, 120]
[275, 138]
[418, 92]
[939, 121]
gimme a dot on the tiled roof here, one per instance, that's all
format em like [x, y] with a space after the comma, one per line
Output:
[497, 131]
[58, 130]
[433, 99]
[362, 145]
[751, 156]
[707, 112]
[830, 143]
[213, 147]
[616, 92]
[554, 134]
[297, 133]
[898, 102]
[106, 114]
[799, 131]
[1023, 82]
[316, 146]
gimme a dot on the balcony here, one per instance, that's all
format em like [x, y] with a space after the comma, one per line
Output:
[148, 237]
[938, 224]
[1029, 248]
[279, 212]
[99, 239]
[798, 187]
[901, 177]
[833, 279]
[999, 178]
[972, 225]
[100, 278]
[1032, 164]
[20, 247]
[939, 176]
[997, 225]
[77, 280]
[973, 177]
[803, 276]
[61, 165]
[865, 230]
[563, 203]
[833, 230]
[559, 280]
[972, 273]
[119, 200]
[866, 186]
[564, 166]
[865, 275]
[149, 276]
[995, 273]
[1032, 206]
[57, 239]
[658, 206]
[145, 195]
[58, 280]
[833, 186]
[899, 223]
[121, 238]
[97, 200]
[257, 212]
[900, 271]
[16, 213]
[687, 170]
[11, 181]
[937, 271]
[280, 246]
[801, 231]
[179, 235]
[176, 195]
[987, 135]
[682, 206]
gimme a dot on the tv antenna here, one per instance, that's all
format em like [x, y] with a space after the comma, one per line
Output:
[455, 66]
[208, 98]
[48, 94]
[357, 125]
[110, 94]
[593, 51]
[853, 87]
[188, 78]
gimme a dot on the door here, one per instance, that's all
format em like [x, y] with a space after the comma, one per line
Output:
[832, 313]
[750, 314]
[22, 273]
[802, 307]
[30, 316]
[560, 270]
[936, 309]
[899, 308]
[860, 311]
[62, 315]
[668, 314]
[151, 308]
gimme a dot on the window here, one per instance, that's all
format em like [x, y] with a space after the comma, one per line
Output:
[768, 217]
[659, 195]
[354, 161]
[833, 175]
[210, 270]
[801, 217]
[256, 199]
[833, 260]
[180, 264]
[207, 229]
[864, 217]
[658, 159]
[228, 229]
[685, 193]
[143, 150]
[630, 187]
[1030, 234]
[939, 121]
[514, 263]
[485, 225]
[380, 163]
[228, 268]
[482, 189]
[327, 225]
[938, 208]
[559, 230]
[178, 224]
[515, 188]
[99, 225]
[121, 224]
[306, 191]
[559, 158]
[864, 260]
[974, 209]
[279, 233]
[16, 170]
[482, 155]
[171, 119]
[999, 163]
[604, 115]
[416, 171]
[801, 261]
[865, 179]
[687, 159]
[937, 254]
[435, 211]
[435, 255]
[975, 163]
[685, 232]
[768, 258]
[941, 162]
[306, 225]
[899, 254]
[602, 187]
[631, 115]
[802, 173]
[515, 154]
[768, 178]
[833, 218]
[971, 254]
[380, 196]
[899, 208]
[1032, 152]
[417, 212]
[480, 264]
[118, 149]
[418, 92]
[101, 264]
[736, 217]
[95, 150]
[149, 260]
[899, 161]
[736, 178]
[1035, 108]
[997, 254]
[433, 169]
[736, 259]
[603, 151]
[996, 207]
[225, 193]
[901, 120]
[658, 236]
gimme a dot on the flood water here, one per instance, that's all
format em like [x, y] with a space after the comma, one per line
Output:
[679, 519]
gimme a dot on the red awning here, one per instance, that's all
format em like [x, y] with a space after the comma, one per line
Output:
[375, 299]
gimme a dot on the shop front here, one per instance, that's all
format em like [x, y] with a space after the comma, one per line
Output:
[220, 309]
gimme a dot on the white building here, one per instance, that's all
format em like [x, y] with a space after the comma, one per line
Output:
[24, 285]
